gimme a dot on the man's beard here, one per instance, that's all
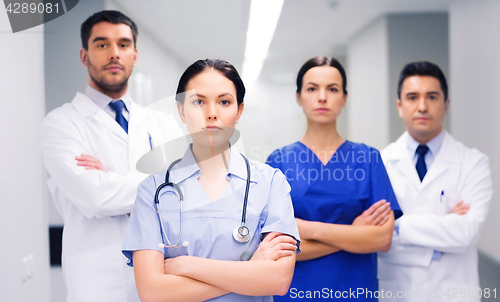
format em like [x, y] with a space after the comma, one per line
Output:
[102, 83]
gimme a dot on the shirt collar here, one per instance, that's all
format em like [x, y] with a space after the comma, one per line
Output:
[102, 100]
[434, 144]
[188, 165]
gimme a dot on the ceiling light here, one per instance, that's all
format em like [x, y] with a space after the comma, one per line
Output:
[264, 16]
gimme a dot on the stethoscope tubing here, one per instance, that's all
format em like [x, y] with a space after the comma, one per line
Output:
[240, 234]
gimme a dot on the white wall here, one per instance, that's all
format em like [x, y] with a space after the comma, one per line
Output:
[161, 68]
[23, 215]
[271, 119]
[475, 104]
[414, 37]
[368, 85]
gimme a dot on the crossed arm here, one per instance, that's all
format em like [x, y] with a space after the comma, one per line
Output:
[188, 278]
[370, 232]
[94, 193]
[452, 233]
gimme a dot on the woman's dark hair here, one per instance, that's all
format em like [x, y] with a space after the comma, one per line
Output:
[111, 16]
[221, 66]
[321, 61]
[423, 68]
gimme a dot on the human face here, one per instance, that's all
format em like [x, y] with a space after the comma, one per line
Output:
[422, 107]
[210, 108]
[322, 97]
[110, 58]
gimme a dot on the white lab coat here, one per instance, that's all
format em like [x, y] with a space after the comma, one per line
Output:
[457, 173]
[94, 204]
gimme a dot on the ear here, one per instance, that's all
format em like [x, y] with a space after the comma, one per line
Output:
[180, 109]
[135, 56]
[84, 57]
[345, 100]
[299, 100]
[446, 106]
[240, 111]
[400, 110]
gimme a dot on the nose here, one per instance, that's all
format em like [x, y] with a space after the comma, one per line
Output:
[322, 96]
[211, 113]
[114, 53]
[422, 105]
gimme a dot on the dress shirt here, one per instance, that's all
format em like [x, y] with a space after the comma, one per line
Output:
[102, 100]
[434, 147]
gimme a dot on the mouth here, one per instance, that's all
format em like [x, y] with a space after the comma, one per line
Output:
[322, 110]
[212, 128]
[421, 119]
[114, 68]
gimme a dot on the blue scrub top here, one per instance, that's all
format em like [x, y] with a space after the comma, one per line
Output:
[338, 192]
[208, 226]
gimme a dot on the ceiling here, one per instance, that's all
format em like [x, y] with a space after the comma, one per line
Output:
[189, 30]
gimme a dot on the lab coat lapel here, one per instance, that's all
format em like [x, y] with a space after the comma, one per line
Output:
[138, 115]
[85, 106]
[405, 162]
[442, 161]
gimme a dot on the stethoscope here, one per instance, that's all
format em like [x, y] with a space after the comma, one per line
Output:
[241, 233]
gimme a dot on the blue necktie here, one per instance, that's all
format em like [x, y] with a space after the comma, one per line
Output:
[421, 167]
[120, 119]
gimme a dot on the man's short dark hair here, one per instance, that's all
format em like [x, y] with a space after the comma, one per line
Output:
[111, 16]
[423, 68]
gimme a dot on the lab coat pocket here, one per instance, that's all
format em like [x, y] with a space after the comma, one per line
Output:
[390, 290]
[97, 275]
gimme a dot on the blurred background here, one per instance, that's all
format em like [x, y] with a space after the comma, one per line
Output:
[40, 70]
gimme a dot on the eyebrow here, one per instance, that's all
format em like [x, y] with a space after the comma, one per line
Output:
[334, 84]
[224, 94]
[431, 92]
[202, 96]
[104, 39]
[99, 39]
[197, 95]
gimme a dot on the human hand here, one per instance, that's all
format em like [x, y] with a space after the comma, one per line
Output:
[90, 162]
[175, 266]
[460, 208]
[376, 214]
[274, 246]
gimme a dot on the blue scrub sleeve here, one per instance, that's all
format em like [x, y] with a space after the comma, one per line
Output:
[279, 215]
[143, 230]
[380, 184]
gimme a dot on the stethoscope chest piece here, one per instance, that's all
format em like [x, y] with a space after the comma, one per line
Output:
[241, 234]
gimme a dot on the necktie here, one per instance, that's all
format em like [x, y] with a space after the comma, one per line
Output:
[120, 119]
[421, 167]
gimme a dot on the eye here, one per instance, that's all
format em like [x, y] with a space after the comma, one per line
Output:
[311, 89]
[101, 45]
[197, 102]
[432, 97]
[225, 102]
[123, 45]
[333, 89]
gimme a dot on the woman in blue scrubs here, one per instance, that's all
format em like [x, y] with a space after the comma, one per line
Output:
[343, 201]
[212, 175]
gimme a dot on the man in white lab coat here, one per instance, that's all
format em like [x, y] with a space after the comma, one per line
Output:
[90, 147]
[444, 189]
